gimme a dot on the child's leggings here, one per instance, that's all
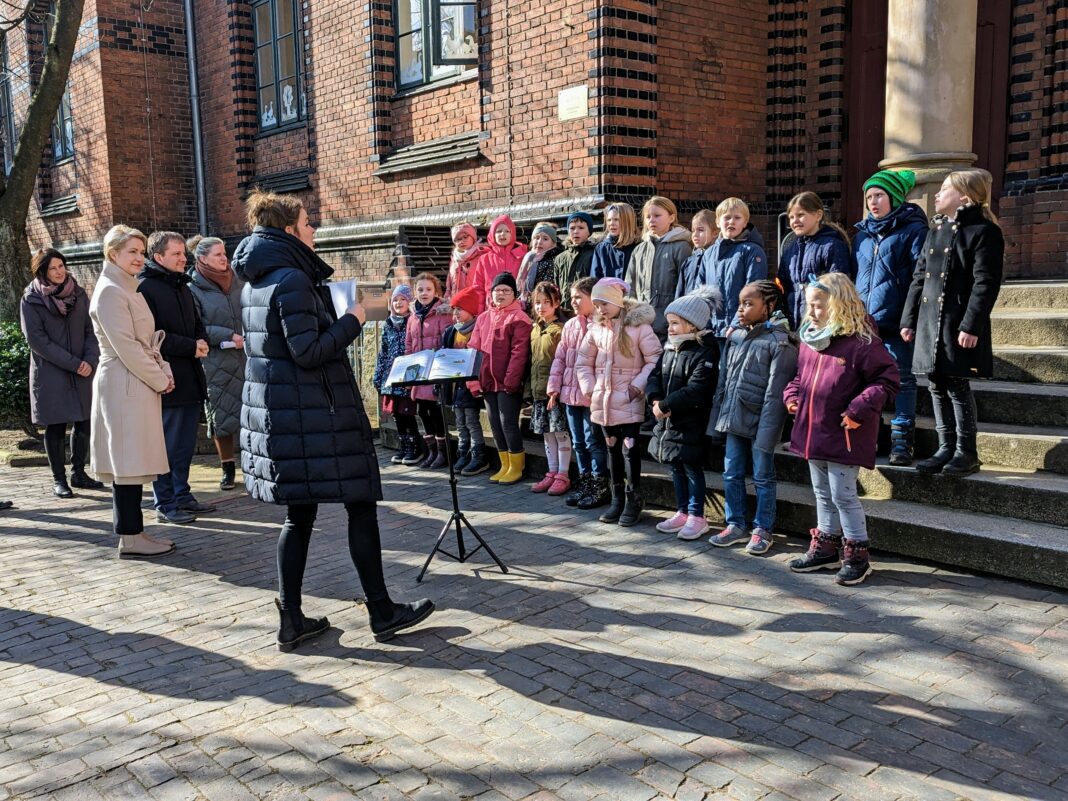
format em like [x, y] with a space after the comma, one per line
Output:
[624, 455]
[503, 408]
[406, 424]
[558, 451]
[430, 414]
[838, 509]
[954, 406]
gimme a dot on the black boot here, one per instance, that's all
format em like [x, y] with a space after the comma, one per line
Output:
[463, 457]
[294, 628]
[56, 450]
[229, 476]
[945, 425]
[431, 444]
[415, 455]
[441, 454]
[388, 618]
[478, 463]
[579, 489]
[965, 459]
[855, 563]
[79, 456]
[632, 509]
[598, 493]
[79, 479]
[612, 513]
[401, 452]
[902, 437]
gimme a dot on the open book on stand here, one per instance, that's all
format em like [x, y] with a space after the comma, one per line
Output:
[428, 366]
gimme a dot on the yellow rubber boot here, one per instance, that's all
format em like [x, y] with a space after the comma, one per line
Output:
[496, 477]
[516, 463]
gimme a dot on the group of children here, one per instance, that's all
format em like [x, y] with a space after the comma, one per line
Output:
[687, 331]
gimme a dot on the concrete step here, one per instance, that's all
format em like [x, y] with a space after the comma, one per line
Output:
[1030, 327]
[990, 543]
[1047, 365]
[1033, 295]
[1012, 403]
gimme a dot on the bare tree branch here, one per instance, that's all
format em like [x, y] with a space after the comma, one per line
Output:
[21, 12]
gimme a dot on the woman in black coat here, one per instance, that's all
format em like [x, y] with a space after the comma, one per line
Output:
[947, 313]
[305, 437]
[64, 355]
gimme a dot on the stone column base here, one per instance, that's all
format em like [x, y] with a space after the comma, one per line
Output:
[931, 170]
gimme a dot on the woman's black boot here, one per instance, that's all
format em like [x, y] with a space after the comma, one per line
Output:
[294, 628]
[388, 618]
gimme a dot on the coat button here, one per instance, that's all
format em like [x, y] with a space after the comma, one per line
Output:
[932, 250]
[946, 250]
[941, 275]
[928, 275]
[925, 300]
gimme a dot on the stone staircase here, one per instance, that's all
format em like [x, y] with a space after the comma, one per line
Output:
[1009, 519]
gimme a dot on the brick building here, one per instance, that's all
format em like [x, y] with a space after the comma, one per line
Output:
[390, 134]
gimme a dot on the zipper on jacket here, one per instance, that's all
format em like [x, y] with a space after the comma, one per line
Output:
[811, 399]
[327, 388]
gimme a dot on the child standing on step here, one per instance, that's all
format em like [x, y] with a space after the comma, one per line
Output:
[612, 254]
[947, 314]
[537, 265]
[680, 390]
[614, 362]
[845, 376]
[760, 359]
[587, 438]
[471, 449]
[547, 417]
[502, 333]
[653, 271]
[503, 254]
[466, 248]
[425, 327]
[815, 246]
[397, 401]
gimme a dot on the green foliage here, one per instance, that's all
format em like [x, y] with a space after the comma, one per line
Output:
[14, 377]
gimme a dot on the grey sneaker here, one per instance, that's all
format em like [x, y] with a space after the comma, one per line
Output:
[759, 541]
[178, 517]
[729, 536]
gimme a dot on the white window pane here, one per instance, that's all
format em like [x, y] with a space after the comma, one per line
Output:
[288, 101]
[409, 16]
[268, 110]
[459, 36]
[410, 59]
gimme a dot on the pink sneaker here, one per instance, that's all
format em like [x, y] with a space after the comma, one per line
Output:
[561, 484]
[695, 527]
[674, 524]
[545, 483]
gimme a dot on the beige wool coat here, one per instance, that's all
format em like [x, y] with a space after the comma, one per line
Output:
[127, 445]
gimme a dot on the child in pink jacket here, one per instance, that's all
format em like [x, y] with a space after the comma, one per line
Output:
[614, 361]
[587, 439]
[426, 324]
[503, 254]
[466, 248]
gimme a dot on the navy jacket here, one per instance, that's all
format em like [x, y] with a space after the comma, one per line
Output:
[610, 261]
[826, 251]
[885, 252]
[729, 265]
[305, 436]
[172, 304]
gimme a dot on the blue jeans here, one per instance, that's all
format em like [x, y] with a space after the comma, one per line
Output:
[689, 488]
[739, 451]
[587, 441]
[171, 490]
[905, 403]
[838, 509]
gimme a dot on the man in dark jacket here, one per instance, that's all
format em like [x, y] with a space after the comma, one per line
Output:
[165, 286]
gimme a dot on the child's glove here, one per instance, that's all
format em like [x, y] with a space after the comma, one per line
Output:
[634, 393]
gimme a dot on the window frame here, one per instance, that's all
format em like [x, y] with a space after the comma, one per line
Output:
[435, 25]
[276, 43]
[62, 145]
[429, 20]
[7, 110]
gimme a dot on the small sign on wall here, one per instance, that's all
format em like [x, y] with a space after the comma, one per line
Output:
[573, 103]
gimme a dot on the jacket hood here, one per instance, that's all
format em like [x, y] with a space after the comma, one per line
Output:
[751, 234]
[676, 234]
[905, 214]
[153, 269]
[634, 313]
[269, 249]
[825, 234]
[491, 240]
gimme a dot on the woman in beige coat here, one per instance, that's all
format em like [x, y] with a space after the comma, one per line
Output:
[127, 447]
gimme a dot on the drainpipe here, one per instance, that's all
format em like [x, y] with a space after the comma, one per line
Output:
[194, 102]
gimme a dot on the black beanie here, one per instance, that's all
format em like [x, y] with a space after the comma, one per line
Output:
[505, 279]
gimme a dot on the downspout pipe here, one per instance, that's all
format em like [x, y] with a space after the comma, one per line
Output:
[194, 102]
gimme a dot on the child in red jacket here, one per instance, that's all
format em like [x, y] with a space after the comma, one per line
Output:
[502, 333]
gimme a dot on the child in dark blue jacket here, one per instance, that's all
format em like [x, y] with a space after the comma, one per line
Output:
[612, 254]
[889, 241]
[816, 247]
[736, 259]
[397, 401]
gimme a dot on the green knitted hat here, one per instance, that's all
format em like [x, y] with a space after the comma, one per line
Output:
[896, 183]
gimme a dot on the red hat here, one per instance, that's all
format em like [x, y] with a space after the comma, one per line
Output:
[468, 300]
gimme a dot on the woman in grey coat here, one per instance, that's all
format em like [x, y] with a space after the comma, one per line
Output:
[64, 354]
[217, 294]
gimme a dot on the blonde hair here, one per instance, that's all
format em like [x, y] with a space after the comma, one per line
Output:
[975, 184]
[272, 211]
[117, 237]
[623, 340]
[810, 202]
[845, 310]
[662, 202]
[706, 216]
[732, 204]
[432, 279]
[628, 224]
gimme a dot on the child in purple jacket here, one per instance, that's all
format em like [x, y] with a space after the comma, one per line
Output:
[844, 379]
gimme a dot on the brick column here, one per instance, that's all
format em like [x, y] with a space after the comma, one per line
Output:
[930, 79]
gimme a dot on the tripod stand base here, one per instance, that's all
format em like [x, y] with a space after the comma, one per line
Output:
[457, 518]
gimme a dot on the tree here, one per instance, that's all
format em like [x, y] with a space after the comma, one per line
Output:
[16, 188]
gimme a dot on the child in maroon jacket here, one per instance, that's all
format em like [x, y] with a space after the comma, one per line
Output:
[844, 379]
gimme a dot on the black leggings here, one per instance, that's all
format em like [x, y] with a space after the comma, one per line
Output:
[624, 463]
[406, 424]
[504, 420]
[365, 549]
[954, 405]
[126, 510]
[55, 446]
[430, 414]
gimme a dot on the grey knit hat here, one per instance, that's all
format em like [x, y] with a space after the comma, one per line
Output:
[546, 228]
[697, 307]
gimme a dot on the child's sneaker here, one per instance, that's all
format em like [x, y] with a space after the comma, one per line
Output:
[822, 553]
[673, 524]
[695, 528]
[729, 536]
[855, 564]
[545, 483]
[561, 484]
[759, 541]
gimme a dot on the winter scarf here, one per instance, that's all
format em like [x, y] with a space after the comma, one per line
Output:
[223, 279]
[422, 311]
[61, 295]
[817, 338]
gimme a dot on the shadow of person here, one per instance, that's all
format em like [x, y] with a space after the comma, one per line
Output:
[149, 663]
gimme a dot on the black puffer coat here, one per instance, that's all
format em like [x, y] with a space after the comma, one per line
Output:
[305, 437]
[954, 289]
[684, 381]
[171, 302]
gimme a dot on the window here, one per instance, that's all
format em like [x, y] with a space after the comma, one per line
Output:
[279, 90]
[63, 130]
[450, 27]
[7, 120]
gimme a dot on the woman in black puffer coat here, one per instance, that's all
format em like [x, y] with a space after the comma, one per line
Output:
[305, 437]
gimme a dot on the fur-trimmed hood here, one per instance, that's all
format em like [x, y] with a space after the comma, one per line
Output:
[677, 234]
[634, 313]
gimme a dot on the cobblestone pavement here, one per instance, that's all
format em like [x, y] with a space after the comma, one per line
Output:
[609, 663]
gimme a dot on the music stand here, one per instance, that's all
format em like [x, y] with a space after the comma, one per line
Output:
[446, 387]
